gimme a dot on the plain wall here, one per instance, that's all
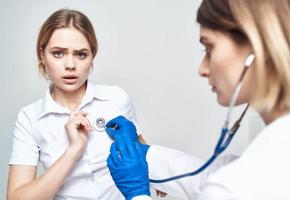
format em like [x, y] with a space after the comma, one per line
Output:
[148, 47]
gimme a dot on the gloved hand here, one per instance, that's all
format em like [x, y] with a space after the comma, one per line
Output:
[127, 159]
[121, 129]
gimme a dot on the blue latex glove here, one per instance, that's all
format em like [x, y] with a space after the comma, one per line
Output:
[121, 129]
[127, 159]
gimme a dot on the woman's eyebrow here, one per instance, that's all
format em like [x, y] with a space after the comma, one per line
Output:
[59, 48]
[83, 49]
[65, 49]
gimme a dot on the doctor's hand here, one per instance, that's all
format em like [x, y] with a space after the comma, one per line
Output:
[127, 159]
[121, 129]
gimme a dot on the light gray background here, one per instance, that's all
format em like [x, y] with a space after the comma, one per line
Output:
[148, 47]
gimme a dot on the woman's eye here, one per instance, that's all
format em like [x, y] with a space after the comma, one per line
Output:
[81, 55]
[58, 54]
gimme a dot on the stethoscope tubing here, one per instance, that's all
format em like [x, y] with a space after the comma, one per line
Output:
[222, 144]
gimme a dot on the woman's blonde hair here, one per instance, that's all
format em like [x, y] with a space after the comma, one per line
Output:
[265, 25]
[65, 18]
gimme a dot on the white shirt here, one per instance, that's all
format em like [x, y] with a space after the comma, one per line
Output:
[261, 173]
[39, 136]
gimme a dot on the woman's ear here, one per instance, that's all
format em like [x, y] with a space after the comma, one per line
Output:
[42, 62]
[41, 53]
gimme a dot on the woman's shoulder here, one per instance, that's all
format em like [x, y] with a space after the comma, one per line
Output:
[31, 110]
[110, 91]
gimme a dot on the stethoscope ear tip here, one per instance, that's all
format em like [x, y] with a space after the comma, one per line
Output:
[250, 60]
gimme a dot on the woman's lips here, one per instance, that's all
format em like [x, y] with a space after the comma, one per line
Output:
[69, 79]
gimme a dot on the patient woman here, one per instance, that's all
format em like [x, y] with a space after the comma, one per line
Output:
[63, 130]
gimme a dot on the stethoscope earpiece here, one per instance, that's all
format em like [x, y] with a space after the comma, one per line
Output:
[249, 60]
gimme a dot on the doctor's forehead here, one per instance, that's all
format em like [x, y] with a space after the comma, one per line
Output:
[208, 35]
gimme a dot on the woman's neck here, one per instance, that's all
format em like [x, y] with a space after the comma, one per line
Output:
[269, 117]
[70, 100]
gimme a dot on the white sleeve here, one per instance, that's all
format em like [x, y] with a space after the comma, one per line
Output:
[221, 183]
[164, 162]
[142, 197]
[25, 150]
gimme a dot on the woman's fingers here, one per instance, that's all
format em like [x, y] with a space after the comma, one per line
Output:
[77, 129]
[77, 112]
[160, 193]
[81, 124]
[78, 120]
[85, 123]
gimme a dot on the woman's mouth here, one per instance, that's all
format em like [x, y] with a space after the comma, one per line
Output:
[69, 79]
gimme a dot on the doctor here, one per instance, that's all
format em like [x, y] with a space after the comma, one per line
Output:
[230, 32]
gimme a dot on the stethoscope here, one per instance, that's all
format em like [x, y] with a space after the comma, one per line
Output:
[226, 133]
[98, 124]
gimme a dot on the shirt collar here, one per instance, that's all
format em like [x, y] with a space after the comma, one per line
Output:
[50, 106]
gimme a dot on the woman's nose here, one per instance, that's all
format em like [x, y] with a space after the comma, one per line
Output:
[70, 63]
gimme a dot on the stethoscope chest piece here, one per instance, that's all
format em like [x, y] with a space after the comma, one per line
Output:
[100, 124]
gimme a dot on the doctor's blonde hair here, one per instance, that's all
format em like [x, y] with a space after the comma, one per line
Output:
[265, 25]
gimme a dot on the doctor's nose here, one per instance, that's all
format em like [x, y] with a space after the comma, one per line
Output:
[203, 70]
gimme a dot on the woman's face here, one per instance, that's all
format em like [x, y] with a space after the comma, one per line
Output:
[223, 64]
[67, 59]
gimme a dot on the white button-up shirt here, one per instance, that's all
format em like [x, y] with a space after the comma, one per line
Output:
[261, 173]
[40, 136]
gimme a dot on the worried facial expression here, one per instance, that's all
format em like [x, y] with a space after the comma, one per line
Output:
[67, 59]
[223, 64]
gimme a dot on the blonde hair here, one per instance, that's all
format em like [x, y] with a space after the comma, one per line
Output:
[65, 18]
[265, 25]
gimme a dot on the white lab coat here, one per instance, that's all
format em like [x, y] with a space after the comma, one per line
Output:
[261, 173]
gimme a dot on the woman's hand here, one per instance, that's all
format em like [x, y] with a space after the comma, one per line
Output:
[78, 127]
[160, 193]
